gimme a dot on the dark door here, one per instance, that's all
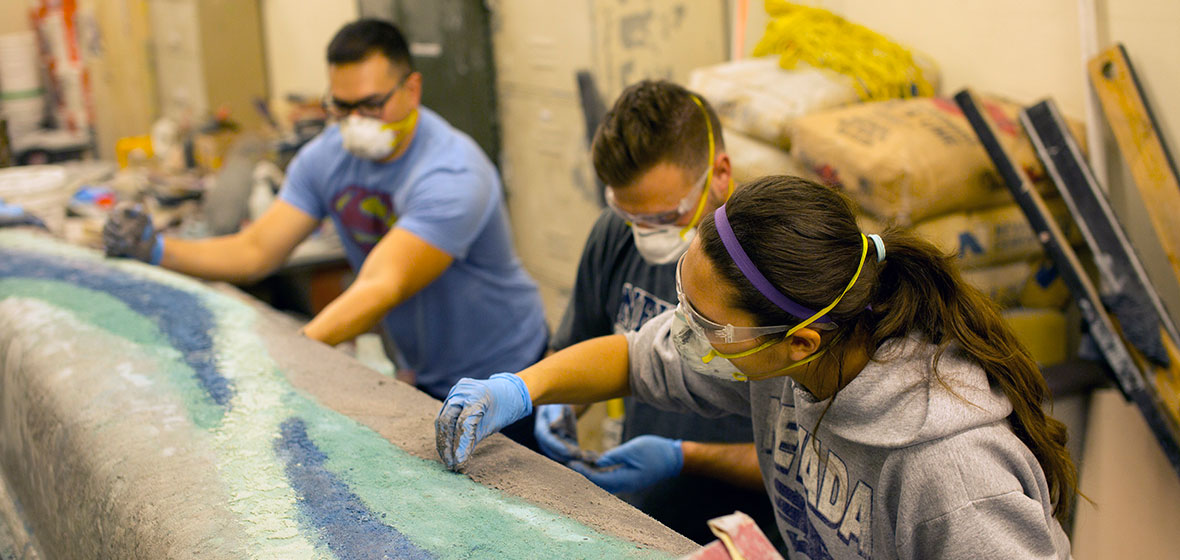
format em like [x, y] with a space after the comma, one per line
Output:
[450, 41]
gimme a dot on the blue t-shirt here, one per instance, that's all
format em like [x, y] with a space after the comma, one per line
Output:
[484, 314]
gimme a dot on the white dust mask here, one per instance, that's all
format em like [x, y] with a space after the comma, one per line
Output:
[693, 349]
[662, 245]
[374, 139]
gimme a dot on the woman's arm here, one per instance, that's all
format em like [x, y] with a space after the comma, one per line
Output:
[587, 372]
[476, 408]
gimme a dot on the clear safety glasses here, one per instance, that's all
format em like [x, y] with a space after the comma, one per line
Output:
[687, 204]
[694, 200]
[717, 333]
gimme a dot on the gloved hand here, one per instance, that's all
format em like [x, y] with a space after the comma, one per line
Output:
[475, 409]
[556, 430]
[129, 233]
[12, 215]
[635, 465]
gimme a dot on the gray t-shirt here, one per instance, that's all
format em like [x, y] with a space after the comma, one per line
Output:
[899, 467]
[616, 291]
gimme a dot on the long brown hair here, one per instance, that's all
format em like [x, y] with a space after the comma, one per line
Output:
[805, 240]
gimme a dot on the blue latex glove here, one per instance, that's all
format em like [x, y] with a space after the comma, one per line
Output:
[635, 465]
[129, 233]
[476, 409]
[556, 430]
[12, 215]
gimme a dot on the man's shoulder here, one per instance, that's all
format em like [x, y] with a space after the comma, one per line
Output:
[444, 146]
[322, 157]
[326, 144]
[609, 231]
[448, 155]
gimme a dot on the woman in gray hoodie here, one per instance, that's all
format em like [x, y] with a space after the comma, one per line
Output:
[896, 414]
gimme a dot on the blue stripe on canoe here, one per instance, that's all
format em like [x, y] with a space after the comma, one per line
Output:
[180, 315]
[350, 529]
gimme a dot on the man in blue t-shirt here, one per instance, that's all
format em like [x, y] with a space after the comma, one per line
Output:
[418, 208]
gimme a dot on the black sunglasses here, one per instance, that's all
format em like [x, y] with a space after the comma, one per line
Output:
[369, 107]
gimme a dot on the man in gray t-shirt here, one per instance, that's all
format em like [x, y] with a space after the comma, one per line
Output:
[662, 157]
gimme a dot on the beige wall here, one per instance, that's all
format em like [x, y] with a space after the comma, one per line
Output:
[14, 16]
[296, 35]
[122, 81]
[1135, 491]
[538, 47]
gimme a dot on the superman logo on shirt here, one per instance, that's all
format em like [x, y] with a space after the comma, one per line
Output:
[367, 215]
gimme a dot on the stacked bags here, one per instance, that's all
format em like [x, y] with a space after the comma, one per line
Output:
[856, 111]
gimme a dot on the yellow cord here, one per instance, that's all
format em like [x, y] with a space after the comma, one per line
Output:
[696, 217]
[880, 68]
[864, 251]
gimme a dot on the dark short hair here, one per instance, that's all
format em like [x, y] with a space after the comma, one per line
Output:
[361, 38]
[652, 122]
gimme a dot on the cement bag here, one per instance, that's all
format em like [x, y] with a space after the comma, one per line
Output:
[908, 160]
[752, 159]
[1045, 288]
[1003, 284]
[756, 97]
[1041, 330]
[993, 236]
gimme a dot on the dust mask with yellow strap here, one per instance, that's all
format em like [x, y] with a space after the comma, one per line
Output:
[374, 139]
[664, 244]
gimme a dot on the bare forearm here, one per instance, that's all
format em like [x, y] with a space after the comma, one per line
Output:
[587, 372]
[228, 259]
[736, 463]
[245, 256]
[352, 314]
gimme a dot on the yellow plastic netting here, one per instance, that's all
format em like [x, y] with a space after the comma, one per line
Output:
[880, 68]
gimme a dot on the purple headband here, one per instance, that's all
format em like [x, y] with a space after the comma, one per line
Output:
[752, 274]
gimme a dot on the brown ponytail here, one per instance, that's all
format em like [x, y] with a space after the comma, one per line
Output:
[804, 239]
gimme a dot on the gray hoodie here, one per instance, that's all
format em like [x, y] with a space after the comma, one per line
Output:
[899, 467]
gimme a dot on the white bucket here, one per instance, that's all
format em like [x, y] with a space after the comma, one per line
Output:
[16, 78]
[21, 40]
[16, 85]
[40, 189]
[23, 106]
[18, 58]
[23, 115]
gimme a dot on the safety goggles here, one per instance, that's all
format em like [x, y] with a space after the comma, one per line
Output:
[717, 333]
[694, 200]
[687, 204]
